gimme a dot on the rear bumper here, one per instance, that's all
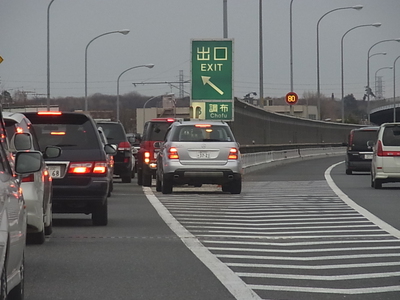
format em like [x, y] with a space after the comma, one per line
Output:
[361, 165]
[79, 198]
[202, 176]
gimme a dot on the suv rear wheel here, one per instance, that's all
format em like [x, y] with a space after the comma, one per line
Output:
[147, 178]
[100, 215]
[166, 186]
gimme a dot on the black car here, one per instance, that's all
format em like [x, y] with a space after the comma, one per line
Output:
[80, 175]
[359, 149]
[124, 162]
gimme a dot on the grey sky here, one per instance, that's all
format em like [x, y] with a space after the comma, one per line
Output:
[161, 31]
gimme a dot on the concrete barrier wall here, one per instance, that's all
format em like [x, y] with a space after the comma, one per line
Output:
[252, 123]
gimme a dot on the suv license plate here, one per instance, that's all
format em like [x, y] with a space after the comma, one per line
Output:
[368, 156]
[203, 154]
[55, 171]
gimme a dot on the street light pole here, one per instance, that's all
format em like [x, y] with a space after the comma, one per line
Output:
[394, 88]
[357, 7]
[48, 55]
[124, 32]
[368, 57]
[261, 57]
[147, 66]
[341, 59]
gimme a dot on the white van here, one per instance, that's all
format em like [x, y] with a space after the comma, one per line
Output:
[385, 165]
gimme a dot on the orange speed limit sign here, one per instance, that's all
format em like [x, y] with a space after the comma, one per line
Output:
[291, 98]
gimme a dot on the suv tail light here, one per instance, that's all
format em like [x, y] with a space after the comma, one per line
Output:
[123, 146]
[146, 157]
[233, 154]
[173, 153]
[380, 152]
[29, 178]
[88, 168]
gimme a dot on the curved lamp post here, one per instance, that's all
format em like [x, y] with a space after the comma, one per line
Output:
[368, 57]
[341, 58]
[147, 66]
[394, 88]
[125, 32]
[357, 7]
[48, 55]
[148, 100]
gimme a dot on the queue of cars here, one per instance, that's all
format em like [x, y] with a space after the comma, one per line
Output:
[375, 149]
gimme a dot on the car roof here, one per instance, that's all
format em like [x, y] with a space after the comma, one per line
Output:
[16, 116]
[368, 128]
[200, 122]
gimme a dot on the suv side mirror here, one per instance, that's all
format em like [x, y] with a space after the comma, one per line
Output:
[109, 149]
[157, 144]
[22, 141]
[52, 152]
[28, 162]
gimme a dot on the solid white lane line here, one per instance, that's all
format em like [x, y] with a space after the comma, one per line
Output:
[316, 267]
[313, 258]
[225, 275]
[316, 277]
[374, 219]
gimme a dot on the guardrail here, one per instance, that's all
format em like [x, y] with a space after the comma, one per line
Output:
[259, 160]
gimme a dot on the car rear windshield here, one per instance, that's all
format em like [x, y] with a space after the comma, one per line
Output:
[391, 136]
[156, 131]
[114, 132]
[361, 138]
[74, 132]
[191, 133]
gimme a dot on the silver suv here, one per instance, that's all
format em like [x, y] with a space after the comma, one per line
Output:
[197, 153]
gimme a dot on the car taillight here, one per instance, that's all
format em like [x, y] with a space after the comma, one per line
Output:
[29, 178]
[124, 146]
[380, 152]
[173, 153]
[146, 157]
[233, 154]
[100, 168]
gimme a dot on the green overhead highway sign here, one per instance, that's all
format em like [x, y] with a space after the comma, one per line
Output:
[212, 69]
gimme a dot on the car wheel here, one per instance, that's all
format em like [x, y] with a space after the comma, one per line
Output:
[158, 183]
[140, 177]
[48, 225]
[48, 230]
[36, 238]
[147, 179]
[377, 184]
[348, 172]
[17, 293]
[372, 180]
[236, 186]
[166, 186]
[225, 188]
[100, 215]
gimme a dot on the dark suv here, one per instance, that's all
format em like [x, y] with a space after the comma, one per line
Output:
[153, 132]
[81, 180]
[124, 163]
[359, 149]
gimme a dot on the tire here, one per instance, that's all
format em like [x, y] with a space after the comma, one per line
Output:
[17, 293]
[166, 186]
[147, 178]
[225, 188]
[48, 230]
[100, 215]
[36, 238]
[126, 178]
[110, 188]
[377, 184]
[158, 183]
[236, 186]
[349, 172]
[140, 177]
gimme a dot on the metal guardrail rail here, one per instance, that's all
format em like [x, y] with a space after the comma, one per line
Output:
[259, 160]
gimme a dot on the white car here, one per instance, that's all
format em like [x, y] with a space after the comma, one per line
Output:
[385, 166]
[36, 187]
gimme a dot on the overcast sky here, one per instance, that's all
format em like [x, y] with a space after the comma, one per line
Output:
[161, 33]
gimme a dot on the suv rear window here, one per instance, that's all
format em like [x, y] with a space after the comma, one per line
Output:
[200, 134]
[66, 131]
[361, 137]
[156, 131]
[113, 131]
[391, 136]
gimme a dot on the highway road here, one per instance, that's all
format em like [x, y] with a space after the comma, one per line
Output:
[292, 234]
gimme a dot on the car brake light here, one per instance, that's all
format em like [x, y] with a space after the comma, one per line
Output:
[202, 125]
[29, 178]
[80, 168]
[147, 157]
[57, 133]
[380, 152]
[170, 120]
[173, 153]
[19, 130]
[233, 154]
[100, 168]
[49, 113]
[124, 146]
